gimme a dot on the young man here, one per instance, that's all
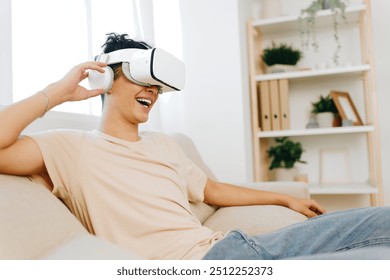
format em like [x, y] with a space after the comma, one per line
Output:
[134, 188]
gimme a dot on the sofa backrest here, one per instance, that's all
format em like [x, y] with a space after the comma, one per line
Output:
[202, 210]
[32, 221]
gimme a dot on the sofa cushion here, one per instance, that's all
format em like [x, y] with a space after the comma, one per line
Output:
[269, 218]
[33, 221]
[202, 210]
[89, 247]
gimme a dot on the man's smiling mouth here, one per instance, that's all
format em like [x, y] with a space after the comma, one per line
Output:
[145, 102]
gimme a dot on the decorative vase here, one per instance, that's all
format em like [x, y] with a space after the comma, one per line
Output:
[285, 174]
[325, 119]
[312, 122]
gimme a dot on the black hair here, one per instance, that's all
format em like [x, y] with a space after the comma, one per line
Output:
[115, 41]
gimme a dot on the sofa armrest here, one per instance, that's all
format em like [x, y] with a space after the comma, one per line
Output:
[297, 189]
[256, 219]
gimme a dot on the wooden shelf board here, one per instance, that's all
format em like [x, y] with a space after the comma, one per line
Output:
[316, 131]
[290, 23]
[314, 73]
[339, 189]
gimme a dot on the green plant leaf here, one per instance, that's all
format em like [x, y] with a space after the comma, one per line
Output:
[307, 23]
[285, 153]
[281, 54]
[324, 104]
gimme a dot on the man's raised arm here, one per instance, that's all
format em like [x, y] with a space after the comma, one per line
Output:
[20, 155]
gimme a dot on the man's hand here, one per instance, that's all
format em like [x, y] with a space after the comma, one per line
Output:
[308, 207]
[69, 84]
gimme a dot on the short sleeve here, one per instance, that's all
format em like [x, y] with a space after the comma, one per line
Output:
[195, 178]
[60, 150]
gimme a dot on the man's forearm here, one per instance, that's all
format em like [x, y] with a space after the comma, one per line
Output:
[221, 194]
[16, 117]
[230, 195]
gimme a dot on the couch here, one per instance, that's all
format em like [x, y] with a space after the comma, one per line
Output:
[37, 225]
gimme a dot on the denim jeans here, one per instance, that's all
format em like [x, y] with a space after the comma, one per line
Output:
[348, 234]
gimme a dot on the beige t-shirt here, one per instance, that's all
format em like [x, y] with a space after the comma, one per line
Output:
[135, 194]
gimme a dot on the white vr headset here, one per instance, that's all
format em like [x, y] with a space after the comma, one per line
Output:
[151, 67]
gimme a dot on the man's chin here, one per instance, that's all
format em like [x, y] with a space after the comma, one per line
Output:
[143, 120]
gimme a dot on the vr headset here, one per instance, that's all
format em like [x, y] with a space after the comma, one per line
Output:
[151, 67]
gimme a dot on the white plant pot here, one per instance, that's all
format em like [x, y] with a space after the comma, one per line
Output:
[285, 174]
[280, 68]
[325, 119]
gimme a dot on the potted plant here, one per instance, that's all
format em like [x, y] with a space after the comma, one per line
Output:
[284, 155]
[280, 57]
[325, 111]
[307, 23]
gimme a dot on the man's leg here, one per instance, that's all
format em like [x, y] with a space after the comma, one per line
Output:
[329, 233]
[366, 253]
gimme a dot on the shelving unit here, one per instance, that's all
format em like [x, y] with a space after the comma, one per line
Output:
[290, 23]
[306, 74]
[343, 189]
[358, 16]
[315, 131]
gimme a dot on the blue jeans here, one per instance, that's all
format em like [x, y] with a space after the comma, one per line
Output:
[352, 234]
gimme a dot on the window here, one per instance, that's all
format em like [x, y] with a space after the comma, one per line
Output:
[49, 37]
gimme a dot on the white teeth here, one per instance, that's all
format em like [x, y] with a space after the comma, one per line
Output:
[144, 101]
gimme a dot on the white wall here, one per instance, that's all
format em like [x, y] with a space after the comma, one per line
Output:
[213, 108]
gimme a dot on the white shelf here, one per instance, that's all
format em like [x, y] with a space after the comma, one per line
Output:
[351, 188]
[316, 131]
[291, 23]
[314, 73]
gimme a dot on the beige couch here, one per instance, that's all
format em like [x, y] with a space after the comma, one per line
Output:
[36, 225]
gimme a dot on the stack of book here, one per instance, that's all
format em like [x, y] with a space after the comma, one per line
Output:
[274, 105]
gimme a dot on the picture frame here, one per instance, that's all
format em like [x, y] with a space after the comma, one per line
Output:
[334, 166]
[346, 107]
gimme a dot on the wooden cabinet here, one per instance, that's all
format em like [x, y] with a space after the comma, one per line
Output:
[354, 75]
